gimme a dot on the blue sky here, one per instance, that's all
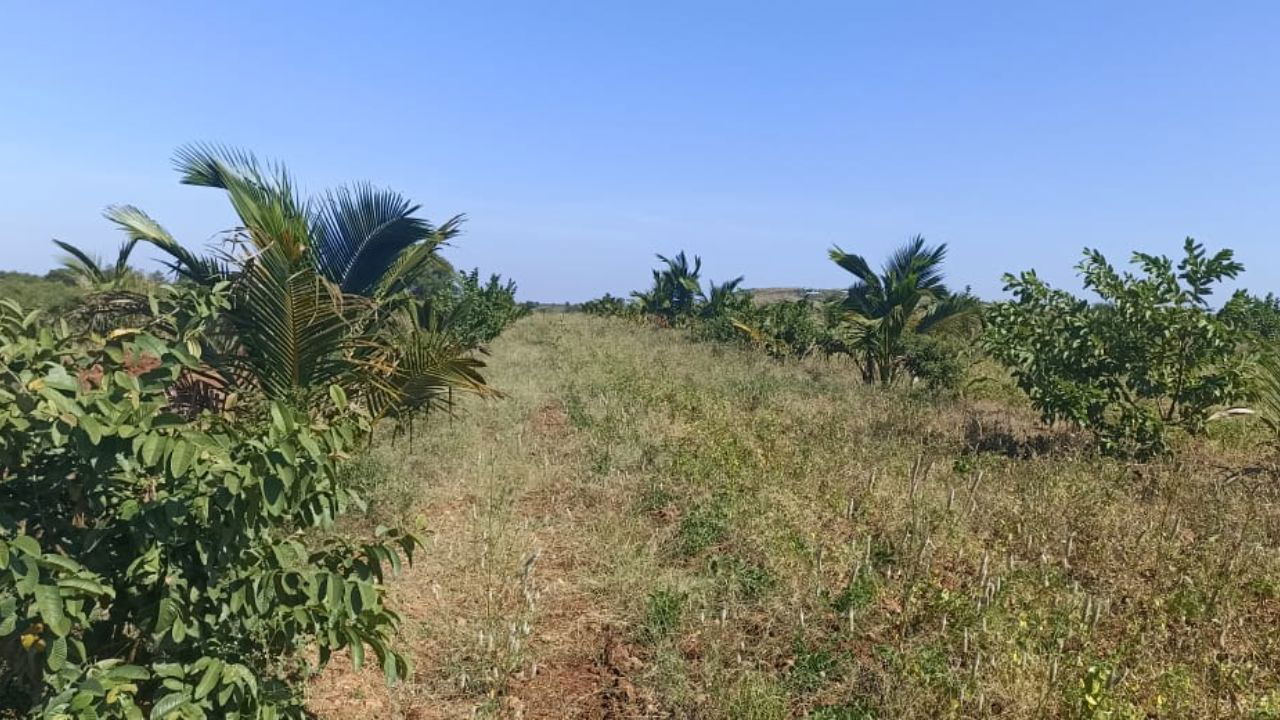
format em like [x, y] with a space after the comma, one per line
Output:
[581, 138]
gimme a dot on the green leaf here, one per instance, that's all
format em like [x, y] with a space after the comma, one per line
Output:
[61, 562]
[30, 579]
[389, 668]
[4, 555]
[339, 397]
[49, 603]
[86, 586]
[168, 704]
[57, 656]
[150, 449]
[180, 457]
[287, 449]
[59, 379]
[26, 544]
[165, 615]
[209, 680]
[357, 649]
[273, 493]
[129, 672]
[92, 428]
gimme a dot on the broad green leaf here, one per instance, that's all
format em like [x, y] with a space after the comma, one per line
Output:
[150, 449]
[389, 668]
[49, 603]
[168, 705]
[61, 562]
[209, 680]
[339, 397]
[26, 544]
[57, 656]
[273, 493]
[129, 672]
[165, 616]
[180, 457]
[92, 428]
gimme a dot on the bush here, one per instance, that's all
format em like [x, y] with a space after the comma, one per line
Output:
[475, 313]
[154, 565]
[54, 290]
[1257, 317]
[609, 306]
[784, 329]
[939, 362]
[1151, 355]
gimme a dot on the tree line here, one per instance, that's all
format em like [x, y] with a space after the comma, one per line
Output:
[1146, 357]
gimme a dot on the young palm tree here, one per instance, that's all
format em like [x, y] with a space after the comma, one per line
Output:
[317, 286]
[90, 273]
[676, 290]
[906, 296]
[724, 298]
[113, 294]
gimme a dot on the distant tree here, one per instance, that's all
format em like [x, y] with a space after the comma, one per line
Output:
[51, 292]
[676, 289]
[92, 274]
[1256, 316]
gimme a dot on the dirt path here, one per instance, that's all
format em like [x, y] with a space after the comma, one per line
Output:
[497, 619]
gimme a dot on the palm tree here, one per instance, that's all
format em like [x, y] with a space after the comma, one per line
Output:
[724, 298]
[91, 273]
[317, 286]
[113, 294]
[676, 290]
[907, 296]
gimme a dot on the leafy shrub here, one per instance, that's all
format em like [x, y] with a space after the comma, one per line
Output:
[609, 306]
[154, 565]
[784, 329]
[939, 362]
[475, 313]
[1257, 317]
[1151, 355]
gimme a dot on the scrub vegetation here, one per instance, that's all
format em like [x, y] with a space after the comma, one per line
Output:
[317, 471]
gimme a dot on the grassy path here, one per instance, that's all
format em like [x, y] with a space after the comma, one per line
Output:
[650, 528]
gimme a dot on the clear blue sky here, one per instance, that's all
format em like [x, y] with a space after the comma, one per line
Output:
[583, 137]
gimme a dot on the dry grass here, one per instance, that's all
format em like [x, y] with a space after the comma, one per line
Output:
[652, 528]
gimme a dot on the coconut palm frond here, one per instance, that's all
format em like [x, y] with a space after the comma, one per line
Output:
[361, 231]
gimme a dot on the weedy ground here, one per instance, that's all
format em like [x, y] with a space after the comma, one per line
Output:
[652, 528]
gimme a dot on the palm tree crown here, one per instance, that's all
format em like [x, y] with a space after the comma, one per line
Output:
[317, 284]
[907, 295]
